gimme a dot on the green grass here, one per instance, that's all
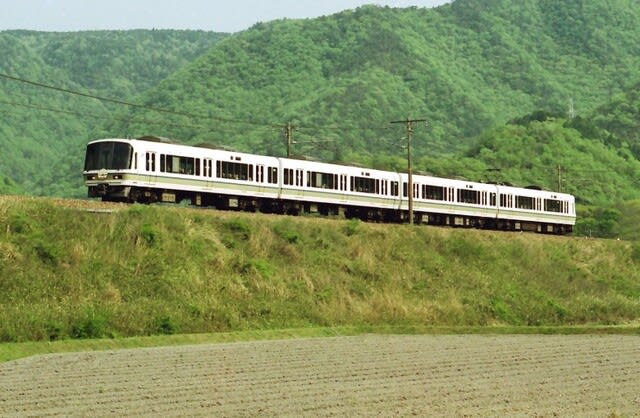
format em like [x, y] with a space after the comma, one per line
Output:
[143, 271]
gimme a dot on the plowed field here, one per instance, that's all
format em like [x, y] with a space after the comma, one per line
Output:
[343, 376]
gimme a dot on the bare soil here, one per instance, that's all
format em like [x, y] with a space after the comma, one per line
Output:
[370, 375]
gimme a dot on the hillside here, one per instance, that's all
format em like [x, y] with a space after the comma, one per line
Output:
[68, 272]
[465, 67]
[41, 148]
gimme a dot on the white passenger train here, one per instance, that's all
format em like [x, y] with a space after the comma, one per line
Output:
[146, 171]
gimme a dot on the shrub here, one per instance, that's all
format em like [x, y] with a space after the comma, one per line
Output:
[165, 325]
[93, 326]
[55, 330]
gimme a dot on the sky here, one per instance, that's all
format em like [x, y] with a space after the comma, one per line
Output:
[210, 15]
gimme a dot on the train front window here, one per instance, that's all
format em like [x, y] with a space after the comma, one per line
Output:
[108, 156]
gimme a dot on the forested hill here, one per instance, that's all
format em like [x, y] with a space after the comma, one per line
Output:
[465, 66]
[35, 142]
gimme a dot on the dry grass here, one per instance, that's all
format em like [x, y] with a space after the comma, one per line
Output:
[68, 272]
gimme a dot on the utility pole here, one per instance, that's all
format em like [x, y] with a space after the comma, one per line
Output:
[288, 134]
[409, 127]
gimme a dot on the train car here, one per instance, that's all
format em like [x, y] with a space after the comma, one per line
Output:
[140, 170]
[339, 189]
[130, 170]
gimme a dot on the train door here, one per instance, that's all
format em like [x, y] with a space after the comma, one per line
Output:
[260, 178]
[150, 167]
[207, 172]
[343, 187]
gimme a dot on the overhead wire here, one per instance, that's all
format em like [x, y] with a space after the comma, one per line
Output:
[108, 117]
[134, 105]
[179, 113]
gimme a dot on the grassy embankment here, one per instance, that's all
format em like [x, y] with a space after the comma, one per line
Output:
[67, 273]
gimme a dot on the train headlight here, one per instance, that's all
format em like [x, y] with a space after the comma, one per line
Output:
[117, 176]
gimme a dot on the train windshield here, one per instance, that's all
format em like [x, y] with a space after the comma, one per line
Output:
[108, 156]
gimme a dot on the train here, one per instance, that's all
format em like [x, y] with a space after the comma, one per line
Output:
[149, 170]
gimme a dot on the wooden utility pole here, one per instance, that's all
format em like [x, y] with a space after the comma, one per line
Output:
[288, 134]
[409, 127]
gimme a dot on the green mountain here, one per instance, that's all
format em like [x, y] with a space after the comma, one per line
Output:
[341, 79]
[620, 120]
[37, 143]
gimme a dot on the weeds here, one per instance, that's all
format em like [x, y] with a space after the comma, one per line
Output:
[164, 270]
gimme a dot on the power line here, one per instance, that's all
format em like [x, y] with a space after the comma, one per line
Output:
[112, 118]
[178, 113]
[134, 105]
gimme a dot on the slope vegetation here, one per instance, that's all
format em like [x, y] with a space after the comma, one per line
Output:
[66, 272]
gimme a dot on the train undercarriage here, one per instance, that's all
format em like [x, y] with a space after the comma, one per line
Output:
[129, 194]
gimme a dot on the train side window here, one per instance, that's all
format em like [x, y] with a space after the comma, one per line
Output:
[289, 178]
[524, 202]
[506, 201]
[321, 180]
[468, 196]
[231, 170]
[363, 184]
[197, 166]
[151, 161]
[272, 175]
[556, 206]
[553, 205]
[492, 199]
[433, 192]
[176, 164]
[395, 188]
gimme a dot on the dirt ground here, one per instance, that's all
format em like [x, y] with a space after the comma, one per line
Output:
[370, 375]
